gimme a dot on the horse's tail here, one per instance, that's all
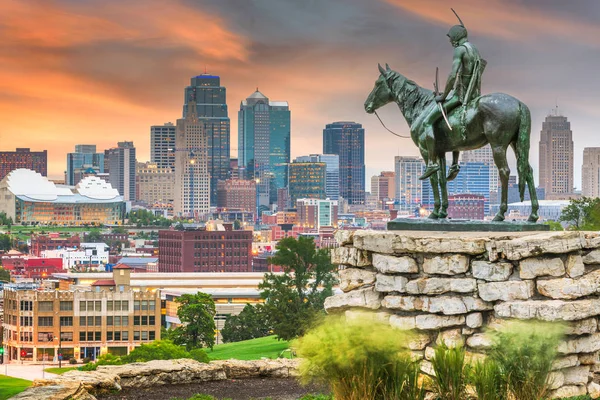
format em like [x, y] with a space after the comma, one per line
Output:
[522, 147]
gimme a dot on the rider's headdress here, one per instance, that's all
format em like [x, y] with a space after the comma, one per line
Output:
[457, 32]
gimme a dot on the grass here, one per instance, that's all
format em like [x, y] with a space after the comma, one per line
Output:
[10, 386]
[253, 349]
[59, 371]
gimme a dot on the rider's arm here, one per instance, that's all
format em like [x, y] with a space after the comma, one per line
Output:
[458, 55]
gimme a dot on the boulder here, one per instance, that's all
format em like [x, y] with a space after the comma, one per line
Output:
[62, 391]
[593, 390]
[364, 298]
[449, 264]
[353, 278]
[390, 283]
[506, 291]
[531, 268]
[395, 265]
[441, 285]
[549, 310]
[491, 271]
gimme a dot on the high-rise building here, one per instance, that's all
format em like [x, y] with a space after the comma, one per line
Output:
[332, 178]
[383, 187]
[347, 140]
[315, 213]
[83, 159]
[306, 181]
[211, 109]
[556, 156]
[192, 187]
[237, 194]
[155, 185]
[484, 154]
[264, 144]
[162, 143]
[409, 189]
[122, 166]
[23, 158]
[590, 172]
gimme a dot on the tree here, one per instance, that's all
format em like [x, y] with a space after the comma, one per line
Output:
[582, 214]
[251, 323]
[196, 312]
[554, 226]
[94, 236]
[5, 242]
[294, 300]
[4, 275]
[237, 224]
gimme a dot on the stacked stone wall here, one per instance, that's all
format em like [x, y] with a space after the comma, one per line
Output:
[453, 287]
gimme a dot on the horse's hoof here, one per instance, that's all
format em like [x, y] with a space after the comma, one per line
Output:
[498, 218]
[443, 215]
[433, 215]
[533, 218]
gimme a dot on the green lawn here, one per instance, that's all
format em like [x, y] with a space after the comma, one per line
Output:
[59, 371]
[10, 386]
[253, 349]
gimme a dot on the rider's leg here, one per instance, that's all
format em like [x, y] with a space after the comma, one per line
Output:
[429, 140]
[454, 168]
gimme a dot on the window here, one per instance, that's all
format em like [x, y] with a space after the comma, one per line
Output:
[26, 305]
[145, 320]
[144, 335]
[90, 336]
[90, 321]
[136, 305]
[45, 336]
[82, 321]
[82, 306]
[26, 336]
[82, 336]
[66, 336]
[152, 320]
[66, 306]
[45, 321]
[98, 305]
[109, 305]
[66, 321]
[144, 304]
[97, 336]
[45, 306]
[152, 335]
[109, 336]
[124, 320]
[136, 335]
[136, 320]
[124, 335]
[125, 305]
[118, 320]
[98, 320]
[109, 321]
[117, 335]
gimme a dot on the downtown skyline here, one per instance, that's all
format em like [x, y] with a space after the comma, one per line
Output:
[74, 72]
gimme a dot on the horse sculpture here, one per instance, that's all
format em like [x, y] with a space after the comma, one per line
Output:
[498, 119]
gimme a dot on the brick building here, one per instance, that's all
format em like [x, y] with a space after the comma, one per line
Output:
[466, 206]
[201, 250]
[52, 241]
[237, 194]
[23, 158]
[32, 267]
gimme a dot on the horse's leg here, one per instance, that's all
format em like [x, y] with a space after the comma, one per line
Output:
[504, 172]
[443, 189]
[535, 206]
[433, 179]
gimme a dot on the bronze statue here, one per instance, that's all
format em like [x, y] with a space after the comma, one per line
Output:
[498, 119]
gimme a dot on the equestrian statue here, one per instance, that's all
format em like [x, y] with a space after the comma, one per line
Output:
[459, 118]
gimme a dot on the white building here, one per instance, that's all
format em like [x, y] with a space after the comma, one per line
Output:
[88, 254]
[409, 189]
[590, 172]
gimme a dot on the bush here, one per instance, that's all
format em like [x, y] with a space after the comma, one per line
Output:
[72, 360]
[360, 359]
[157, 350]
[450, 380]
[199, 355]
[487, 380]
[86, 360]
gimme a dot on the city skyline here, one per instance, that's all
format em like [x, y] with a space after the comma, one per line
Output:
[102, 68]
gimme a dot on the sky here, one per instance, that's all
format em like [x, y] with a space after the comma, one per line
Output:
[103, 71]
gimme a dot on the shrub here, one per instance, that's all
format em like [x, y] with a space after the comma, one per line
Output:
[450, 380]
[157, 350]
[360, 359]
[488, 381]
[72, 360]
[86, 360]
[199, 355]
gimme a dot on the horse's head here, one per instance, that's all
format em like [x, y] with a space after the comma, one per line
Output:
[382, 92]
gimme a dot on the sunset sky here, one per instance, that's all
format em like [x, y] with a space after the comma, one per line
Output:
[102, 71]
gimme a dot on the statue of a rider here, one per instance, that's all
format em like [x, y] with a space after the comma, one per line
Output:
[462, 86]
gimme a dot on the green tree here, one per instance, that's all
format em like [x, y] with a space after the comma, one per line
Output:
[196, 312]
[118, 229]
[5, 242]
[94, 236]
[554, 226]
[237, 224]
[582, 214]
[251, 323]
[294, 300]
[4, 275]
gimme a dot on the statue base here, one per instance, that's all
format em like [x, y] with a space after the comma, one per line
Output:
[463, 225]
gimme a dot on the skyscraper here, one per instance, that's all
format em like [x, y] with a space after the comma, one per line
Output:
[347, 140]
[162, 142]
[23, 158]
[332, 178]
[383, 187]
[264, 144]
[84, 158]
[211, 109]
[556, 156]
[192, 186]
[409, 189]
[590, 172]
[122, 167]
[484, 154]
[154, 185]
[306, 181]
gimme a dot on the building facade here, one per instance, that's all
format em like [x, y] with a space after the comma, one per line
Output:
[556, 156]
[204, 251]
[484, 155]
[316, 213]
[162, 143]
[383, 187]
[29, 198]
[154, 185]
[590, 172]
[211, 110]
[306, 180]
[23, 158]
[41, 243]
[347, 140]
[122, 168]
[466, 206]
[84, 158]
[332, 174]
[237, 194]
[409, 189]
[192, 183]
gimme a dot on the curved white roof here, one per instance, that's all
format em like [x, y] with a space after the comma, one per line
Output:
[25, 182]
[95, 188]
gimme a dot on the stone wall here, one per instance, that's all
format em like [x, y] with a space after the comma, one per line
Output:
[450, 287]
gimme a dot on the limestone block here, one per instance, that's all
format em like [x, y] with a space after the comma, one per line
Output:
[434, 322]
[378, 317]
[476, 304]
[535, 245]
[395, 265]
[568, 288]
[63, 390]
[583, 344]
[468, 331]
[350, 256]
[417, 242]
[353, 278]
[451, 338]
[403, 323]
[593, 257]
[593, 390]
[416, 355]
[474, 320]
[427, 368]
[582, 327]
[390, 283]
[365, 298]
[575, 266]
[404, 303]
[549, 310]
[592, 240]
[479, 341]
[343, 237]
[441, 285]
[565, 362]
[429, 353]
[446, 265]
[531, 268]
[419, 341]
[568, 391]
[576, 375]
[556, 379]
[490, 271]
[506, 291]
[589, 359]
[447, 305]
